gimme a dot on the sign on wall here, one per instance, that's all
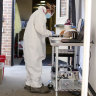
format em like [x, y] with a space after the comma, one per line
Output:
[63, 7]
[62, 11]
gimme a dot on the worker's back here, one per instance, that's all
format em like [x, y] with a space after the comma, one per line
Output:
[34, 41]
[30, 28]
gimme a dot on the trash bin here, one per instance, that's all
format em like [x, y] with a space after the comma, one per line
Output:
[2, 63]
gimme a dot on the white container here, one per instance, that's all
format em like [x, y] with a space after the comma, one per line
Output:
[67, 27]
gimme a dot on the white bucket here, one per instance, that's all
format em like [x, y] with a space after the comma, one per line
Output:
[67, 27]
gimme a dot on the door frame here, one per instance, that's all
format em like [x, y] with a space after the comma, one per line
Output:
[12, 36]
[1, 20]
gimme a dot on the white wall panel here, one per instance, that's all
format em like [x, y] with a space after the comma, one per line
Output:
[92, 72]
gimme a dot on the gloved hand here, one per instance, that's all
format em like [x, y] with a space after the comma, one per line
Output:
[73, 26]
[52, 33]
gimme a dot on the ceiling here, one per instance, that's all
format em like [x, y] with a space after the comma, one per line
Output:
[38, 1]
[50, 1]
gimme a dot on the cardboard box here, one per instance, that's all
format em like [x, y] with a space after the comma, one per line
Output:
[1, 74]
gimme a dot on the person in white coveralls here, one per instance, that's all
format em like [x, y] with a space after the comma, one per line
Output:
[35, 47]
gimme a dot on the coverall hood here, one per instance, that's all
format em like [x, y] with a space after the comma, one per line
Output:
[42, 8]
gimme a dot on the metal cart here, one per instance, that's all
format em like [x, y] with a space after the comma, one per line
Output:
[59, 82]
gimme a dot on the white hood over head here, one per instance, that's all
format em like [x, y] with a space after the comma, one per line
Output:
[42, 8]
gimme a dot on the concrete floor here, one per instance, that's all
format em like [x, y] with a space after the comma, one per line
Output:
[14, 81]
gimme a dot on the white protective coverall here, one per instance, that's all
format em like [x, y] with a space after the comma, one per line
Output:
[35, 46]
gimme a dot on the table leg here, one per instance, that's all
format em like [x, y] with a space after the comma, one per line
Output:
[75, 58]
[56, 69]
[56, 94]
[52, 56]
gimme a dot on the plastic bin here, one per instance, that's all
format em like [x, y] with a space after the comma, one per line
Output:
[2, 63]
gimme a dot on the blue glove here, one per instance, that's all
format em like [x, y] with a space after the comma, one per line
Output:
[73, 26]
[53, 32]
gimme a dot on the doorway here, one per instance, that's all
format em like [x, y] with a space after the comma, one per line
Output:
[25, 9]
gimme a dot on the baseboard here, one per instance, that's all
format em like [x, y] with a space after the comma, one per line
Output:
[91, 89]
[89, 85]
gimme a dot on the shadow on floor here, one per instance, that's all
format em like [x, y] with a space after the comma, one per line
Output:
[46, 62]
[22, 92]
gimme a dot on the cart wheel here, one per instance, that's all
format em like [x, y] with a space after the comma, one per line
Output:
[50, 86]
[53, 69]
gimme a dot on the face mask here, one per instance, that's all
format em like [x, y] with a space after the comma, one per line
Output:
[48, 15]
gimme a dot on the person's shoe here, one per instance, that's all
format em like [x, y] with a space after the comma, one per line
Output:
[27, 87]
[42, 89]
